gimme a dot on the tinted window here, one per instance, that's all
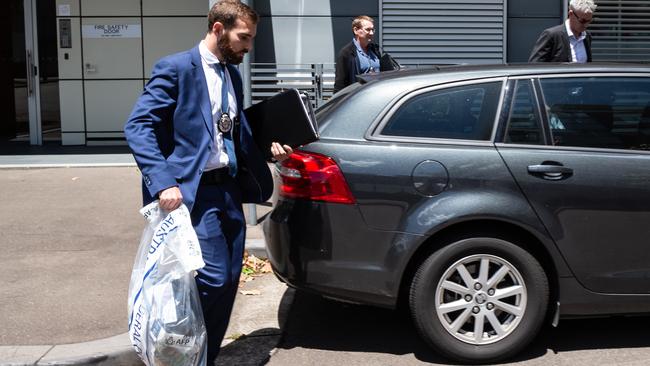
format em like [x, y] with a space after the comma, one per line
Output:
[463, 112]
[604, 112]
[524, 125]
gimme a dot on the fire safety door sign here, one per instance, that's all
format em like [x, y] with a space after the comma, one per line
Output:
[111, 31]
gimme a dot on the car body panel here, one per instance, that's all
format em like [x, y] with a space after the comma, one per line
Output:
[347, 263]
[378, 236]
[598, 216]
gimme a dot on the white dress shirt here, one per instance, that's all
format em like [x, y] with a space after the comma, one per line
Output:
[218, 157]
[578, 50]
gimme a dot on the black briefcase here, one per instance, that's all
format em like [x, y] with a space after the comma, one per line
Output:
[287, 118]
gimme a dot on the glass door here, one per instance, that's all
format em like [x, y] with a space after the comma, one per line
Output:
[48, 72]
[29, 91]
[13, 84]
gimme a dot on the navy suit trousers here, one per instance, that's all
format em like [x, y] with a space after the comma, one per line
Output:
[219, 222]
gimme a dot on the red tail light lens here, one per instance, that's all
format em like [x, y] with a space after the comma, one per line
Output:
[314, 177]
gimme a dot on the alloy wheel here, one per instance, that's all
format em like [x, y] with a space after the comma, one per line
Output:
[480, 299]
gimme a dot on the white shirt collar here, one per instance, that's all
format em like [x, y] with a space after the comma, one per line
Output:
[570, 32]
[207, 56]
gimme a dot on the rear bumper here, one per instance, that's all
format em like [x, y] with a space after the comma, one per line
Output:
[327, 248]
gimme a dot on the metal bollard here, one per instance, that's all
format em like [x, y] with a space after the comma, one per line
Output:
[250, 212]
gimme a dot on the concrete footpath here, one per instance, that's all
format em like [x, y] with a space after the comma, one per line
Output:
[69, 231]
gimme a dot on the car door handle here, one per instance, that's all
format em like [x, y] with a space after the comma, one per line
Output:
[542, 169]
[550, 171]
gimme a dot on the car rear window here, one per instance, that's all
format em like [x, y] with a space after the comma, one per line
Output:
[321, 113]
[463, 112]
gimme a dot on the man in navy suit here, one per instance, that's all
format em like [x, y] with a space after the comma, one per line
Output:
[194, 146]
[570, 41]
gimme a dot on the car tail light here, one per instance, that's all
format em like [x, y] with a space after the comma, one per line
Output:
[314, 177]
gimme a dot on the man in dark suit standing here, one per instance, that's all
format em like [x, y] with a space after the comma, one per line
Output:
[570, 41]
[194, 146]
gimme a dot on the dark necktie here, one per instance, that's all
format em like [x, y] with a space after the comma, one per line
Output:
[227, 136]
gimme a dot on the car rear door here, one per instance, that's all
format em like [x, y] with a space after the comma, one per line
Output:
[582, 158]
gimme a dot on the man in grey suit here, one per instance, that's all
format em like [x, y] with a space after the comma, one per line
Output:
[570, 41]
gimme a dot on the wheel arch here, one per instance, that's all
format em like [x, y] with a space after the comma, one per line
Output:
[489, 228]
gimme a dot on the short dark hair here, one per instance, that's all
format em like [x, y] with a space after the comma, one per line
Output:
[227, 12]
[356, 22]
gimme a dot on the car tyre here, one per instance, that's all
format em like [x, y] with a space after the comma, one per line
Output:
[488, 319]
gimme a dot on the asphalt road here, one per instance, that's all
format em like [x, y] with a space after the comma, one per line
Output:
[324, 332]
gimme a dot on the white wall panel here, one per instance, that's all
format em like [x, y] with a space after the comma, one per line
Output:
[176, 8]
[164, 36]
[112, 58]
[112, 8]
[109, 103]
[300, 7]
[72, 112]
[300, 40]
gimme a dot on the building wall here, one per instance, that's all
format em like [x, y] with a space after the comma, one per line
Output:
[526, 20]
[101, 77]
[306, 31]
[113, 46]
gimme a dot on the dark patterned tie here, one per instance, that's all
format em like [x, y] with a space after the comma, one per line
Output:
[227, 136]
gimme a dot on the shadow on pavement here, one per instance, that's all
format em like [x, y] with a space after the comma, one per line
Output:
[253, 349]
[591, 334]
[317, 323]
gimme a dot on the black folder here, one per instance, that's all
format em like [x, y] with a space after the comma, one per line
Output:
[287, 118]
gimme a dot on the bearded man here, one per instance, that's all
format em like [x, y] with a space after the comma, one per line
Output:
[193, 145]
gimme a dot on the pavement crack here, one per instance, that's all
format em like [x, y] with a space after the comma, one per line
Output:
[44, 354]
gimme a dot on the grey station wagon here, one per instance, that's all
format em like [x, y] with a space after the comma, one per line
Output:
[491, 199]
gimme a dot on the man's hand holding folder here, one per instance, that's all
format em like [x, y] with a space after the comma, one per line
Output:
[284, 119]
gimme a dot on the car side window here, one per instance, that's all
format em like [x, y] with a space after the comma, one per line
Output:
[601, 112]
[463, 112]
[524, 125]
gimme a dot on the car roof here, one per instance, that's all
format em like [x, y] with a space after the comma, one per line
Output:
[467, 72]
[375, 91]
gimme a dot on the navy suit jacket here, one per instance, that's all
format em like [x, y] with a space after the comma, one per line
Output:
[553, 46]
[171, 132]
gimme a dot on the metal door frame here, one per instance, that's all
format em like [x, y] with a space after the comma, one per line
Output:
[32, 75]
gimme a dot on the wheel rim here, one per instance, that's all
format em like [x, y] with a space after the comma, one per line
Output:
[481, 299]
